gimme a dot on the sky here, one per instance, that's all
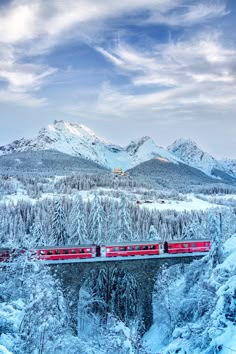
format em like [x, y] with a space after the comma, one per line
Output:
[124, 68]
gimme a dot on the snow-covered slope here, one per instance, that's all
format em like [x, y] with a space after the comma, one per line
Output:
[202, 321]
[145, 149]
[78, 140]
[188, 151]
[230, 164]
[72, 139]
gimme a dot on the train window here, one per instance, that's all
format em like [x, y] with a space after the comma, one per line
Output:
[50, 252]
[193, 245]
[88, 250]
[115, 249]
[42, 253]
[130, 248]
[138, 248]
[152, 247]
[81, 250]
[58, 252]
[145, 247]
[122, 249]
[65, 251]
[185, 245]
[73, 251]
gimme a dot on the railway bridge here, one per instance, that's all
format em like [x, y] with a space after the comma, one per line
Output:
[143, 269]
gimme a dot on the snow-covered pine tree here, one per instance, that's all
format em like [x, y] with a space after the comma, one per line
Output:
[19, 231]
[164, 299]
[215, 234]
[36, 237]
[110, 221]
[153, 235]
[78, 228]
[95, 223]
[59, 232]
[45, 317]
[124, 222]
[194, 229]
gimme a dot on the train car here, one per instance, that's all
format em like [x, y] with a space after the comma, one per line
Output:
[5, 254]
[124, 249]
[187, 246]
[132, 249]
[67, 252]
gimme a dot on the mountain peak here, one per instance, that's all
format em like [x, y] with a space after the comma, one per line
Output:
[184, 142]
[74, 128]
[78, 140]
[135, 144]
[189, 152]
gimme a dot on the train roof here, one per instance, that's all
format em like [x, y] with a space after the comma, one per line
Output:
[131, 243]
[66, 246]
[151, 242]
[193, 240]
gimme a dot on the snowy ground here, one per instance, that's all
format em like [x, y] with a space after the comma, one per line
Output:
[12, 313]
[192, 203]
[221, 197]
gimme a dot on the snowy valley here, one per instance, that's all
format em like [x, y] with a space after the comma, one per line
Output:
[58, 189]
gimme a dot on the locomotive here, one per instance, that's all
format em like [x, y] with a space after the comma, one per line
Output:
[124, 249]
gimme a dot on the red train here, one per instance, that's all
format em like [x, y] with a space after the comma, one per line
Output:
[111, 250]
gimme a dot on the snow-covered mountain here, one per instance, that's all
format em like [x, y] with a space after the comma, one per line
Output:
[78, 140]
[230, 164]
[188, 151]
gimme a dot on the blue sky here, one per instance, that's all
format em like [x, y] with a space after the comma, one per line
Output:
[162, 68]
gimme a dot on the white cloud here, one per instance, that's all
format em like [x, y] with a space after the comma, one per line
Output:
[181, 76]
[20, 80]
[201, 59]
[187, 15]
[18, 22]
[21, 99]
[24, 77]
[32, 27]
[24, 20]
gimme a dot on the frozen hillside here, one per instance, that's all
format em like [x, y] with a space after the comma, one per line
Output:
[145, 149]
[46, 162]
[203, 319]
[189, 152]
[78, 140]
[70, 138]
[170, 175]
[230, 164]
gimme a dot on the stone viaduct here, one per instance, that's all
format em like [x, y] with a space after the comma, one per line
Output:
[73, 275]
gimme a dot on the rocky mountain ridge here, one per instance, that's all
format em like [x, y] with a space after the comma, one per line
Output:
[78, 140]
[189, 152]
